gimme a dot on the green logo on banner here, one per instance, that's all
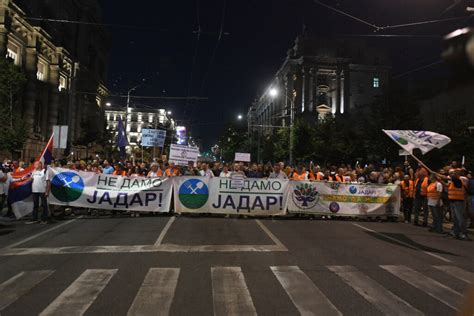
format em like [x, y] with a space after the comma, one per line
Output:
[193, 193]
[67, 186]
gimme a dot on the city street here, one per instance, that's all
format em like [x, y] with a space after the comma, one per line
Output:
[211, 265]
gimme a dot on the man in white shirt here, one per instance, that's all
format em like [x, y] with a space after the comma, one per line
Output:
[40, 191]
[205, 171]
[277, 173]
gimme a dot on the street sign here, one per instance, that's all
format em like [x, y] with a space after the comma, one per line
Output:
[60, 136]
[153, 137]
[181, 154]
[244, 157]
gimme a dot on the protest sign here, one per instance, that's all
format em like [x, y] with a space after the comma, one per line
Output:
[218, 195]
[334, 198]
[243, 157]
[153, 137]
[181, 154]
[101, 191]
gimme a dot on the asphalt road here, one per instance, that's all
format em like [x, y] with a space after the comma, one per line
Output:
[204, 266]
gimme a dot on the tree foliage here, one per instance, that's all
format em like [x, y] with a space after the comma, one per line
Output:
[13, 130]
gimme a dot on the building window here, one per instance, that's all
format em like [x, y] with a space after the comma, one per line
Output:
[12, 54]
[41, 73]
[62, 83]
[133, 139]
[376, 82]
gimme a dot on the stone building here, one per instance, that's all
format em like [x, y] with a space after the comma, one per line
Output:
[65, 65]
[139, 118]
[320, 77]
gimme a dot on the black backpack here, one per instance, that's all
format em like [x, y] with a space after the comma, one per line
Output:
[470, 187]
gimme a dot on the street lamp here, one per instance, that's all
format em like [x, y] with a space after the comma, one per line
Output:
[108, 104]
[240, 117]
[273, 93]
[169, 112]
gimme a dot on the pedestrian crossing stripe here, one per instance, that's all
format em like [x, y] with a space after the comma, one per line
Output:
[230, 294]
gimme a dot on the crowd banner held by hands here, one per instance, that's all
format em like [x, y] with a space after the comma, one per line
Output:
[181, 154]
[153, 137]
[101, 191]
[423, 140]
[220, 196]
[344, 199]
[242, 157]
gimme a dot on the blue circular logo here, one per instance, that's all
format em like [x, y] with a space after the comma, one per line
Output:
[334, 207]
[193, 193]
[353, 189]
[67, 186]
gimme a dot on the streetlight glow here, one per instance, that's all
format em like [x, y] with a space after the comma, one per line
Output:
[239, 117]
[108, 104]
[169, 112]
[273, 92]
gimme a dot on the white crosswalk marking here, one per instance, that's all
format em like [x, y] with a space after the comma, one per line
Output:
[230, 293]
[458, 273]
[19, 285]
[307, 298]
[156, 292]
[431, 287]
[384, 300]
[80, 295]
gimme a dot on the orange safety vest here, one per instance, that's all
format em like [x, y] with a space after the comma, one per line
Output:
[424, 186]
[318, 176]
[339, 178]
[408, 188]
[457, 194]
[159, 173]
[115, 173]
[297, 176]
[171, 172]
[432, 193]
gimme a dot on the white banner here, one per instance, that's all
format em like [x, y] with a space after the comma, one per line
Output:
[153, 137]
[334, 198]
[219, 195]
[181, 154]
[100, 191]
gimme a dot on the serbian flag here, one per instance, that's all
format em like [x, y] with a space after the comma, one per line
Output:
[19, 191]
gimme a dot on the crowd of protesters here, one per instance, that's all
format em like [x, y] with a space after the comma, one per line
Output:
[450, 190]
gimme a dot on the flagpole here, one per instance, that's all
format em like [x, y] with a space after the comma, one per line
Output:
[416, 158]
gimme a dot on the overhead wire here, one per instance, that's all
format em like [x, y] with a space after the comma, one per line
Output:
[124, 26]
[196, 51]
[144, 96]
[418, 69]
[219, 38]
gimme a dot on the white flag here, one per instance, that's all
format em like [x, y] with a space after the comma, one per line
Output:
[423, 140]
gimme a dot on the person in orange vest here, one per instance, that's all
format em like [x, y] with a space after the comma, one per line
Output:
[420, 202]
[435, 188]
[315, 173]
[155, 171]
[408, 192]
[340, 175]
[457, 203]
[172, 171]
[299, 174]
[119, 170]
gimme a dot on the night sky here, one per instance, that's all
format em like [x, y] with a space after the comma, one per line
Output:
[256, 35]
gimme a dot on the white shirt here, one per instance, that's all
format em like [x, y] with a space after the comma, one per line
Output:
[39, 181]
[3, 187]
[225, 174]
[280, 175]
[208, 173]
[433, 202]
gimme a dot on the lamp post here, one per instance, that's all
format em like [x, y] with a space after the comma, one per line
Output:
[273, 94]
